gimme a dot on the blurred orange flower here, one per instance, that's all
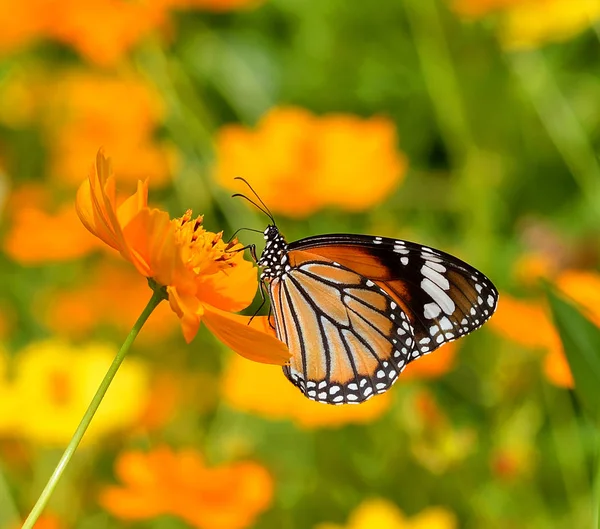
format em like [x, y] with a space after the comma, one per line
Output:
[299, 163]
[163, 482]
[529, 324]
[212, 5]
[70, 313]
[75, 111]
[46, 521]
[80, 115]
[102, 31]
[432, 365]
[52, 384]
[205, 278]
[582, 286]
[37, 236]
[240, 391]
[531, 23]
[383, 514]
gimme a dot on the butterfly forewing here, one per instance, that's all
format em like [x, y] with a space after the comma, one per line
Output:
[347, 337]
[443, 297]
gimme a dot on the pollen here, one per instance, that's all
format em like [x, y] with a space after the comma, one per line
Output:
[204, 252]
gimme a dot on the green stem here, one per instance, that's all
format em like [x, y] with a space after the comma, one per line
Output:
[42, 501]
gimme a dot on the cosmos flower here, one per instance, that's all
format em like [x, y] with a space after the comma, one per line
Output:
[205, 278]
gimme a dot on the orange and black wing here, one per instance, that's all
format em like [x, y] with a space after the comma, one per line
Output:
[443, 297]
[347, 336]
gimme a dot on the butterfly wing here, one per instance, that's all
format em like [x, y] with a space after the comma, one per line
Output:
[443, 297]
[347, 336]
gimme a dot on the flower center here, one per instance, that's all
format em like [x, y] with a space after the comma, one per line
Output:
[203, 252]
[60, 388]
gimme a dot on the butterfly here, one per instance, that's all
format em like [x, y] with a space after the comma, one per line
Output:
[355, 310]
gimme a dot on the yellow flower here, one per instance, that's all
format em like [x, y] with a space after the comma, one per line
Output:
[9, 403]
[163, 482]
[383, 514]
[531, 23]
[240, 391]
[54, 383]
[299, 163]
[205, 278]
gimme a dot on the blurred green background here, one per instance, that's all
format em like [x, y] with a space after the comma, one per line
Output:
[471, 126]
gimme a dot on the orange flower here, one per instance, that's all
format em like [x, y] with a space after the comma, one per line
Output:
[241, 392]
[78, 110]
[101, 30]
[162, 482]
[46, 521]
[432, 365]
[583, 287]
[299, 163]
[529, 324]
[37, 236]
[205, 278]
[80, 115]
[212, 5]
[70, 313]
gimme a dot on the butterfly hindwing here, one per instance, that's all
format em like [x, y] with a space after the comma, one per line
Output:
[347, 337]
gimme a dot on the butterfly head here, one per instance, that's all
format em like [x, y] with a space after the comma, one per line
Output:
[274, 259]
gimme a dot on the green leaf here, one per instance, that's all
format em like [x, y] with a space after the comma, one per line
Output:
[581, 342]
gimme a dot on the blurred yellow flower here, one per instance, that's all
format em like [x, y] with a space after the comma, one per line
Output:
[531, 23]
[163, 482]
[240, 391]
[205, 279]
[9, 403]
[299, 163]
[54, 382]
[383, 514]
[68, 312]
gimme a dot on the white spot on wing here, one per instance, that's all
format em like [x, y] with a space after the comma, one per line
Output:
[438, 295]
[432, 310]
[436, 277]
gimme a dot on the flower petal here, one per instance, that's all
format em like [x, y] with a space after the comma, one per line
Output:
[231, 289]
[253, 340]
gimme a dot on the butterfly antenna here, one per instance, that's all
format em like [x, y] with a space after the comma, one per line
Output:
[266, 210]
[243, 229]
[255, 205]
